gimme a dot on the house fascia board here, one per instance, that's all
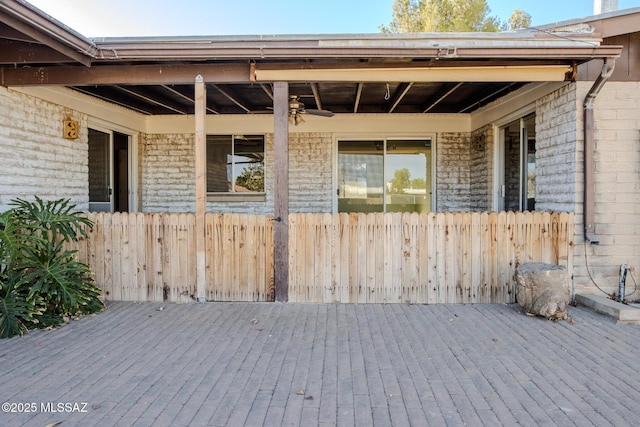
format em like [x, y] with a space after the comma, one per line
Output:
[511, 73]
[41, 27]
[532, 45]
[605, 25]
[340, 123]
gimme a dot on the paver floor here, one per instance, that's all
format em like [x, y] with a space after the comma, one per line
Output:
[273, 364]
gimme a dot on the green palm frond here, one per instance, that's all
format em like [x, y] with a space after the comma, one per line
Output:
[18, 312]
[40, 279]
[54, 216]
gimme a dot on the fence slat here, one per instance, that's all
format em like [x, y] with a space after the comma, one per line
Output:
[358, 258]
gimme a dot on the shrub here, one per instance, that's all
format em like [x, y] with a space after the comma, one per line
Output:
[41, 281]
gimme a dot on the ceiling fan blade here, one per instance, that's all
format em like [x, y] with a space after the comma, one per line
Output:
[322, 113]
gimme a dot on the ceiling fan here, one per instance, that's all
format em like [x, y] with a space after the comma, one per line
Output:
[297, 109]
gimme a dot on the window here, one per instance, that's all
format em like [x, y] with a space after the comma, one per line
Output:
[235, 164]
[391, 175]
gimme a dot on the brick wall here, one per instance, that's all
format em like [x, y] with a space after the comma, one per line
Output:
[168, 175]
[35, 158]
[481, 161]
[453, 175]
[557, 164]
[560, 154]
[310, 172]
[617, 188]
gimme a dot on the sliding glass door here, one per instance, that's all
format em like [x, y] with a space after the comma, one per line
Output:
[109, 171]
[518, 159]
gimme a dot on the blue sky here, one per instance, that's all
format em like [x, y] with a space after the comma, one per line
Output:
[100, 18]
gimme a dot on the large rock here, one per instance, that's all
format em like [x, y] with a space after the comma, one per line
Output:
[543, 289]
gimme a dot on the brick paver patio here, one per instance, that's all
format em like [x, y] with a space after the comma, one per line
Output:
[273, 364]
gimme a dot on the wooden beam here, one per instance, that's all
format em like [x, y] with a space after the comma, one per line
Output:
[201, 186]
[129, 105]
[356, 103]
[156, 74]
[426, 74]
[231, 98]
[403, 88]
[281, 189]
[266, 90]
[185, 97]
[137, 93]
[316, 95]
[492, 94]
[440, 97]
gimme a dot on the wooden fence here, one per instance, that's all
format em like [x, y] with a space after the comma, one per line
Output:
[350, 258]
[152, 257]
[421, 258]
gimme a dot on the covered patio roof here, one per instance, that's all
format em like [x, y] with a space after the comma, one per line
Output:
[352, 73]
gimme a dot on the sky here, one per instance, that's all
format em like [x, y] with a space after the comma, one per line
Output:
[122, 18]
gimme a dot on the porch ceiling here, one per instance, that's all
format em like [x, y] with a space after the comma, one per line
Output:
[156, 75]
[338, 97]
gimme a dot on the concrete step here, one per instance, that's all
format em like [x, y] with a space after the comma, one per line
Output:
[621, 313]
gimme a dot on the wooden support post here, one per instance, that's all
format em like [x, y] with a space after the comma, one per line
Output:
[281, 189]
[201, 187]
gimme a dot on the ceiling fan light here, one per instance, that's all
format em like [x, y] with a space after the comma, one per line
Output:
[298, 119]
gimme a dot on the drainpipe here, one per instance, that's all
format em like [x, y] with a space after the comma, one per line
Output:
[589, 148]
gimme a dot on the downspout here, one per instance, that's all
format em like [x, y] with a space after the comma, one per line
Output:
[589, 149]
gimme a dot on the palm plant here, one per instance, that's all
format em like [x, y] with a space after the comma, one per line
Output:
[41, 281]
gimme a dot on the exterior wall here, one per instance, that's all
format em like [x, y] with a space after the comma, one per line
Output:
[310, 172]
[617, 188]
[35, 158]
[481, 165]
[560, 155]
[557, 165]
[168, 175]
[453, 175]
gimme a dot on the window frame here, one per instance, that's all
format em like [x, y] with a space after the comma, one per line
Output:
[235, 196]
[430, 136]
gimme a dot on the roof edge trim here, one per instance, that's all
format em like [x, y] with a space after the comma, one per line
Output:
[48, 31]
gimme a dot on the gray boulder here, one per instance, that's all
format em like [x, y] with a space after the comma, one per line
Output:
[543, 289]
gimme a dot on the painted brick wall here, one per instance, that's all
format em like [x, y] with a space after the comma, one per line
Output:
[168, 175]
[310, 172]
[453, 172]
[481, 161]
[35, 158]
[617, 188]
[557, 165]
[560, 152]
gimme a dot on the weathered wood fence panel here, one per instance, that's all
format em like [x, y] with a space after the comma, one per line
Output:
[351, 258]
[431, 258]
[239, 264]
[142, 257]
[152, 257]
